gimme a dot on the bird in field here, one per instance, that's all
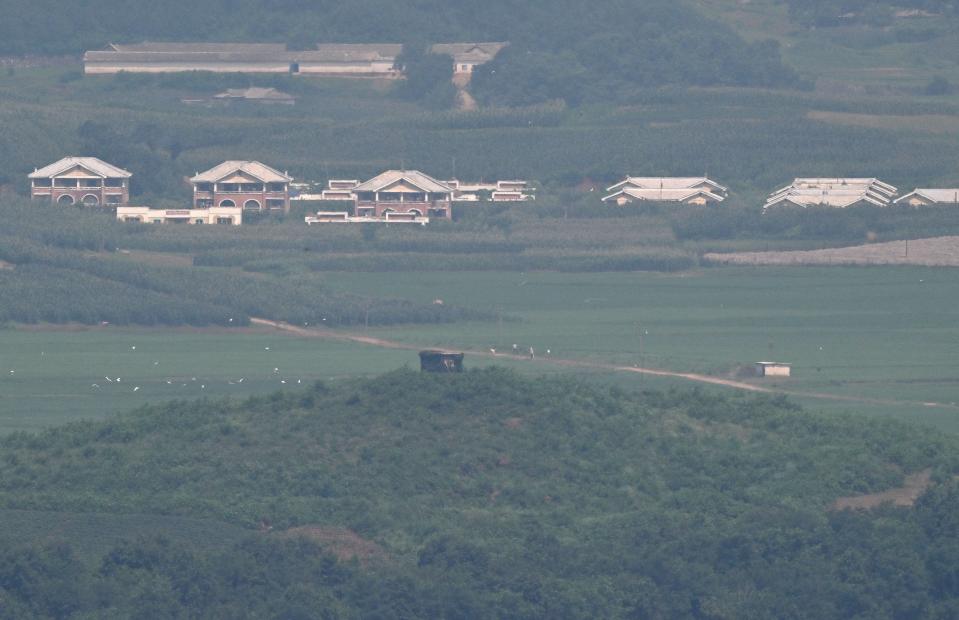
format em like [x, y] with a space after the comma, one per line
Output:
[136, 389]
[283, 381]
[95, 386]
[133, 348]
[169, 382]
[240, 380]
[492, 350]
[107, 378]
[266, 348]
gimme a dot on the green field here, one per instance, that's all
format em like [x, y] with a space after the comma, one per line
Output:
[876, 333]
[886, 334]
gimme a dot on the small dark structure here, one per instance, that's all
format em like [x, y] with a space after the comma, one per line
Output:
[441, 361]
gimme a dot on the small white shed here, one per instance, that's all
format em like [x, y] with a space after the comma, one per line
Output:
[773, 369]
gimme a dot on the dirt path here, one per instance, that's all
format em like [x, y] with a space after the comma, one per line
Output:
[906, 495]
[570, 363]
[932, 252]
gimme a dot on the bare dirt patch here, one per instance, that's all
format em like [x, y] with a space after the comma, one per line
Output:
[906, 495]
[931, 252]
[343, 543]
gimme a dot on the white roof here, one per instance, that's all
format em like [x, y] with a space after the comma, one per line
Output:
[254, 92]
[826, 198]
[470, 52]
[97, 167]
[413, 177]
[666, 183]
[664, 195]
[253, 168]
[934, 195]
[839, 183]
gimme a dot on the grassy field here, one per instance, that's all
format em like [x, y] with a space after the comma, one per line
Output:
[874, 333]
[879, 333]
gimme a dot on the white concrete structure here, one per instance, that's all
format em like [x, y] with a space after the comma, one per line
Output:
[500, 191]
[833, 192]
[343, 217]
[685, 190]
[214, 215]
[930, 197]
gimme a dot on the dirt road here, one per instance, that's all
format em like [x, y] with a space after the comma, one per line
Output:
[932, 252]
[570, 363]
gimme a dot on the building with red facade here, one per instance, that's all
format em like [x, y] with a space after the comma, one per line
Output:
[249, 185]
[86, 181]
[407, 193]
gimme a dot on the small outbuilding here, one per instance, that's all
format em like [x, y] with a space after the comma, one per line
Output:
[773, 369]
[441, 361]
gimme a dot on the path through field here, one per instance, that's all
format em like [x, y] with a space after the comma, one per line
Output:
[571, 363]
[931, 252]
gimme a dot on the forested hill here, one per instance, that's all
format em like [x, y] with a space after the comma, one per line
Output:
[563, 48]
[483, 495]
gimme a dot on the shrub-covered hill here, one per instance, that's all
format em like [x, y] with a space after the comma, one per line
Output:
[490, 495]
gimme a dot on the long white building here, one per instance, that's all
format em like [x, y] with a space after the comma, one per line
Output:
[836, 192]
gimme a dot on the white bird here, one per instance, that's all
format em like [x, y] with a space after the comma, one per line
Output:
[155, 363]
[276, 371]
[137, 388]
[492, 350]
[95, 386]
[107, 378]
[202, 387]
[192, 378]
[240, 380]
[169, 382]
[118, 379]
[266, 348]
[283, 381]
[231, 320]
[298, 381]
[133, 348]
[11, 372]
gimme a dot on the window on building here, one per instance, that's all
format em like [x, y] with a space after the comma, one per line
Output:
[64, 182]
[112, 199]
[249, 204]
[276, 187]
[224, 220]
[204, 187]
[42, 183]
[227, 203]
[275, 203]
[65, 199]
[90, 200]
[113, 182]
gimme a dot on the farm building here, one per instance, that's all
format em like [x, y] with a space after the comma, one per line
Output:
[213, 215]
[467, 56]
[86, 181]
[247, 184]
[403, 193]
[685, 190]
[838, 193]
[441, 361]
[930, 197]
[773, 369]
[350, 59]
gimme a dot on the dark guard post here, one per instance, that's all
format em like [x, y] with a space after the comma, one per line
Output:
[441, 361]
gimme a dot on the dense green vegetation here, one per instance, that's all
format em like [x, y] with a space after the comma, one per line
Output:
[488, 495]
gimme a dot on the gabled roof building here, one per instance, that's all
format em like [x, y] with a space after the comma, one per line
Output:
[403, 192]
[467, 56]
[246, 184]
[685, 190]
[930, 197]
[86, 181]
[840, 193]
